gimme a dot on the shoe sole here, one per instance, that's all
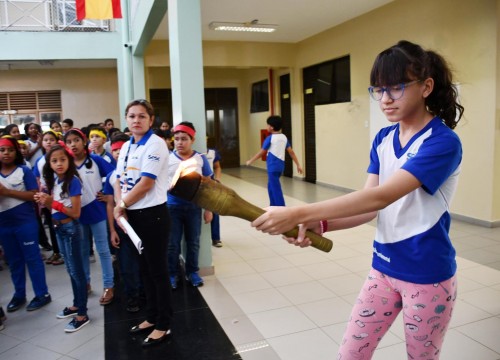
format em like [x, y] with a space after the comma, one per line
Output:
[75, 330]
[66, 316]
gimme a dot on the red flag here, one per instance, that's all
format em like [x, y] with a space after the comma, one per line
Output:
[98, 9]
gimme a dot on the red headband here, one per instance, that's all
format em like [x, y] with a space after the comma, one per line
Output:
[185, 129]
[63, 145]
[5, 142]
[117, 145]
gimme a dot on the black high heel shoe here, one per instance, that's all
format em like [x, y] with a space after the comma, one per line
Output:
[137, 330]
[151, 342]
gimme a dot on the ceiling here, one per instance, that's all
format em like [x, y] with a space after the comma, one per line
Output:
[296, 19]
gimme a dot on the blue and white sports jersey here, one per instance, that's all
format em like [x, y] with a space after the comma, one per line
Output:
[74, 189]
[276, 144]
[38, 168]
[93, 211]
[16, 212]
[412, 242]
[197, 161]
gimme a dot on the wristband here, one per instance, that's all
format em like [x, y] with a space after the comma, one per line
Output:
[56, 205]
[323, 224]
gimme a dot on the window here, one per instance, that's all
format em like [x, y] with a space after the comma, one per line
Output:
[333, 82]
[23, 107]
[260, 97]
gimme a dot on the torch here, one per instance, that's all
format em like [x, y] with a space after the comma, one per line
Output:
[212, 195]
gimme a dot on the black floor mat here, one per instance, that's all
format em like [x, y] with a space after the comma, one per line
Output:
[196, 333]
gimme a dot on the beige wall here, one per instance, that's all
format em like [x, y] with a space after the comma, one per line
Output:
[88, 95]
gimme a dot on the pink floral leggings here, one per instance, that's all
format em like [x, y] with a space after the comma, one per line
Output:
[427, 311]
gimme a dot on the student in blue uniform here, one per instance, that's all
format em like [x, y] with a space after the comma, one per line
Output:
[213, 158]
[275, 146]
[412, 177]
[186, 216]
[18, 227]
[92, 169]
[127, 254]
[63, 197]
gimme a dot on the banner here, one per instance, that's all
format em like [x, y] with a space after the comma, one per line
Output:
[98, 9]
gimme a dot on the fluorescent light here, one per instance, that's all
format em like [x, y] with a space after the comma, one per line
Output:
[252, 26]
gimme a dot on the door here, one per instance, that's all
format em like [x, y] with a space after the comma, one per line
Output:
[221, 109]
[309, 75]
[286, 115]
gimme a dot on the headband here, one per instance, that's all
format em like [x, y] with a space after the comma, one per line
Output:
[21, 142]
[99, 133]
[117, 145]
[65, 147]
[6, 142]
[186, 129]
[56, 134]
[78, 131]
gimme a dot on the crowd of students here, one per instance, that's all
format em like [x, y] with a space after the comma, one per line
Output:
[67, 180]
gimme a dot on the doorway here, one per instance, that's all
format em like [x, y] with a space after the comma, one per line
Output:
[221, 111]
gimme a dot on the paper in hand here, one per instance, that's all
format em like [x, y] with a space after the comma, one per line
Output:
[132, 234]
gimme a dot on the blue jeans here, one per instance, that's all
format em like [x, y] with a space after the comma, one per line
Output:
[215, 227]
[274, 188]
[69, 237]
[100, 233]
[20, 243]
[186, 219]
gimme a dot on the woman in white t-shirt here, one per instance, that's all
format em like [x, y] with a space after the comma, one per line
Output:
[141, 197]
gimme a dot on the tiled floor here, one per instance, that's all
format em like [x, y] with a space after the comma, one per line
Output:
[276, 301]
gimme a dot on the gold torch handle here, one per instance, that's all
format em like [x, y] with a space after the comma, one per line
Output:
[222, 200]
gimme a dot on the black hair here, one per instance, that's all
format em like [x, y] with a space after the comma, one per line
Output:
[52, 133]
[49, 175]
[161, 133]
[54, 122]
[112, 132]
[275, 121]
[19, 159]
[27, 126]
[109, 120]
[405, 62]
[69, 122]
[119, 136]
[8, 129]
[81, 134]
[188, 124]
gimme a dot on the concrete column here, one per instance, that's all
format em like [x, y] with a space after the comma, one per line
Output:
[188, 99]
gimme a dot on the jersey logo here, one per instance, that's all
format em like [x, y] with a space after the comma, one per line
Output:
[154, 157]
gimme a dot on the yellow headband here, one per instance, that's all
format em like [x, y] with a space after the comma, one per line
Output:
[21, 142]
[99, 133]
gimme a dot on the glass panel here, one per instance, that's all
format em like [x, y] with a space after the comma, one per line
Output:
[229, 135]
[4, 120]
[47, 117]
[22, 119]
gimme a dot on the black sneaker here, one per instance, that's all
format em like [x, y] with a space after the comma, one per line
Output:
[75, 325]
[67, 312]
[133, 305]
[217, 243]
[38, 302]
[15, 304]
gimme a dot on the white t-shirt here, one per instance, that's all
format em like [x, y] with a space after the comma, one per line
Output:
[148, 157]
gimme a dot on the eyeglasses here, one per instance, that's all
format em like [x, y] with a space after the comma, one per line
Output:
[395, 92]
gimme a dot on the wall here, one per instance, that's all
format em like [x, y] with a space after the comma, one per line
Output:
[465, 33]
[88, 95]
